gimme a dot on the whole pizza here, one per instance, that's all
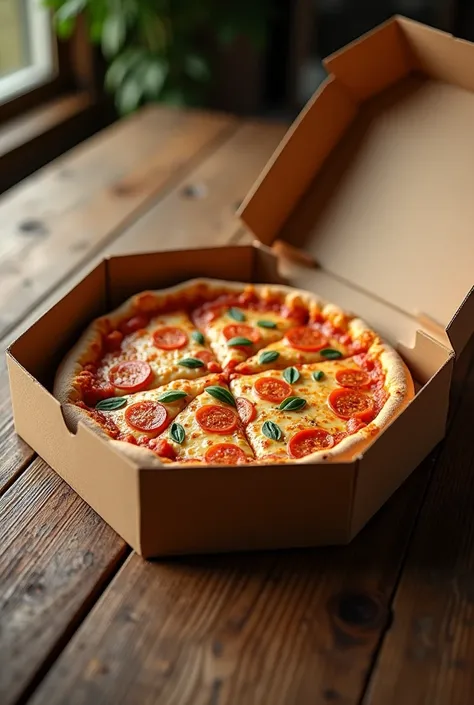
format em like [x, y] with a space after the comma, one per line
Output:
[214, 372]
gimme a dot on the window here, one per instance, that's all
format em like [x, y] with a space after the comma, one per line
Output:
[27, 57]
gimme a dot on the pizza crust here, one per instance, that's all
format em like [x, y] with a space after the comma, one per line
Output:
[398, 381]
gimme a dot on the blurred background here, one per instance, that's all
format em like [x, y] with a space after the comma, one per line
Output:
[250, 57]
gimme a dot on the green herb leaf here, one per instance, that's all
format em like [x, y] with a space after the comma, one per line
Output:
[177, 433]
[113, 34]
[238, 341]
[330, 353]
[221, 394]
[191, 362]
[198, 337]
[291, 375]
[318, 375]
[266, 324]
[269, 356]
[169, 397]
[236, 314]
[292, 404]
[271, 430]
[111, 404]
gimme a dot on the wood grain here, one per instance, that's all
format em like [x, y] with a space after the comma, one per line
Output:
[56, 555]
[295, 627]
[428, 654]
[200, 209]
[68, 211]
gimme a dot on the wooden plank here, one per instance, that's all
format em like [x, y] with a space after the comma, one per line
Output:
[56, 555]
[294, 627]
[428, 653]
[201, 207]
[65, 213]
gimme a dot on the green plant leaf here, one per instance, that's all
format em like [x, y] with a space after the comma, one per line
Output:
[238, 340]
[292, 404]
[198, 337]
[271, 430]
[191, 362]
[291, 375]
[266, 324]
[177, 432]
[236, 314]
[129, 95]
[111, 404]
[330, 354]
[197, 67]
[170, 397]
[70, 9]
[318, 375]
[268, 356]
[221, 394]
[154, 77]
[113, 34]
[121, 66]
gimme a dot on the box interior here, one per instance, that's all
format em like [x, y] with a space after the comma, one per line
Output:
[375, 180]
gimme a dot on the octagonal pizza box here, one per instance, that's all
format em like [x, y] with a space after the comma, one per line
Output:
[367, 202]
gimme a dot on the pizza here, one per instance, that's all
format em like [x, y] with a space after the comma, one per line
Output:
[226, 373]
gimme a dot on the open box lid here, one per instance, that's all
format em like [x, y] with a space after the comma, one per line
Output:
[375, 179]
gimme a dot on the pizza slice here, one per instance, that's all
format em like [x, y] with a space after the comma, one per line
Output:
[291, 413]
[144, 352]
[141, 417]
[238, 326]
[208, 430]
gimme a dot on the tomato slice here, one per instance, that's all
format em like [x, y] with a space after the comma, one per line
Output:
[306, 339]
[272, 389]
[170, 338]
[309, 441]
[246, 410]
[163, 448]
[216, 419]
[241, 330]
[351, 403]
[205, 355]
[225, 454]
[133, 324]
[353, 379]
[147, 416]
[131, 375]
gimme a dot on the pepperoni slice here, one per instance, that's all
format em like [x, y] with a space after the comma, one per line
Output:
[225, 454]
[147, 416]
[272, 389]
[216, 419]
[170, 338]
[163, 448]
[246, 410]
[351, 403]
[131, 375]
[306, 339]
[205, 355]
[309, 441]
[241, 330]
[353, 379]
[133, 324]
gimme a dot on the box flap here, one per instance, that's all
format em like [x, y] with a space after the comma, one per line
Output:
[385, 203]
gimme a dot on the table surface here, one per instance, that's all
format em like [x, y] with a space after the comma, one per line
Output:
[388, 619]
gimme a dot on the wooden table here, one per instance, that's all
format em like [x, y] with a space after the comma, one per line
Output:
[83, 620]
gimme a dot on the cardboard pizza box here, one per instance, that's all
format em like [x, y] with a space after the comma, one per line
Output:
[367, 202]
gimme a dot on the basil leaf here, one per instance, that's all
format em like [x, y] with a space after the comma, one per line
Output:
[169, 397]
[197, 336]
[236, 314]
[292, 404]
[269, 356]
[291, 375]
[191, 362]
[266, 324]
[221, 394]
[177, 433]
[318, 375]
[111, 404]
[271, 430]
[239, 341]
[330, 353]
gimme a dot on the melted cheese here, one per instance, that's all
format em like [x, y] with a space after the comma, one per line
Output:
[316, 413]
[287, 356]
[191, 387]
[226, 354]
[197, 441]
[164, 363]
